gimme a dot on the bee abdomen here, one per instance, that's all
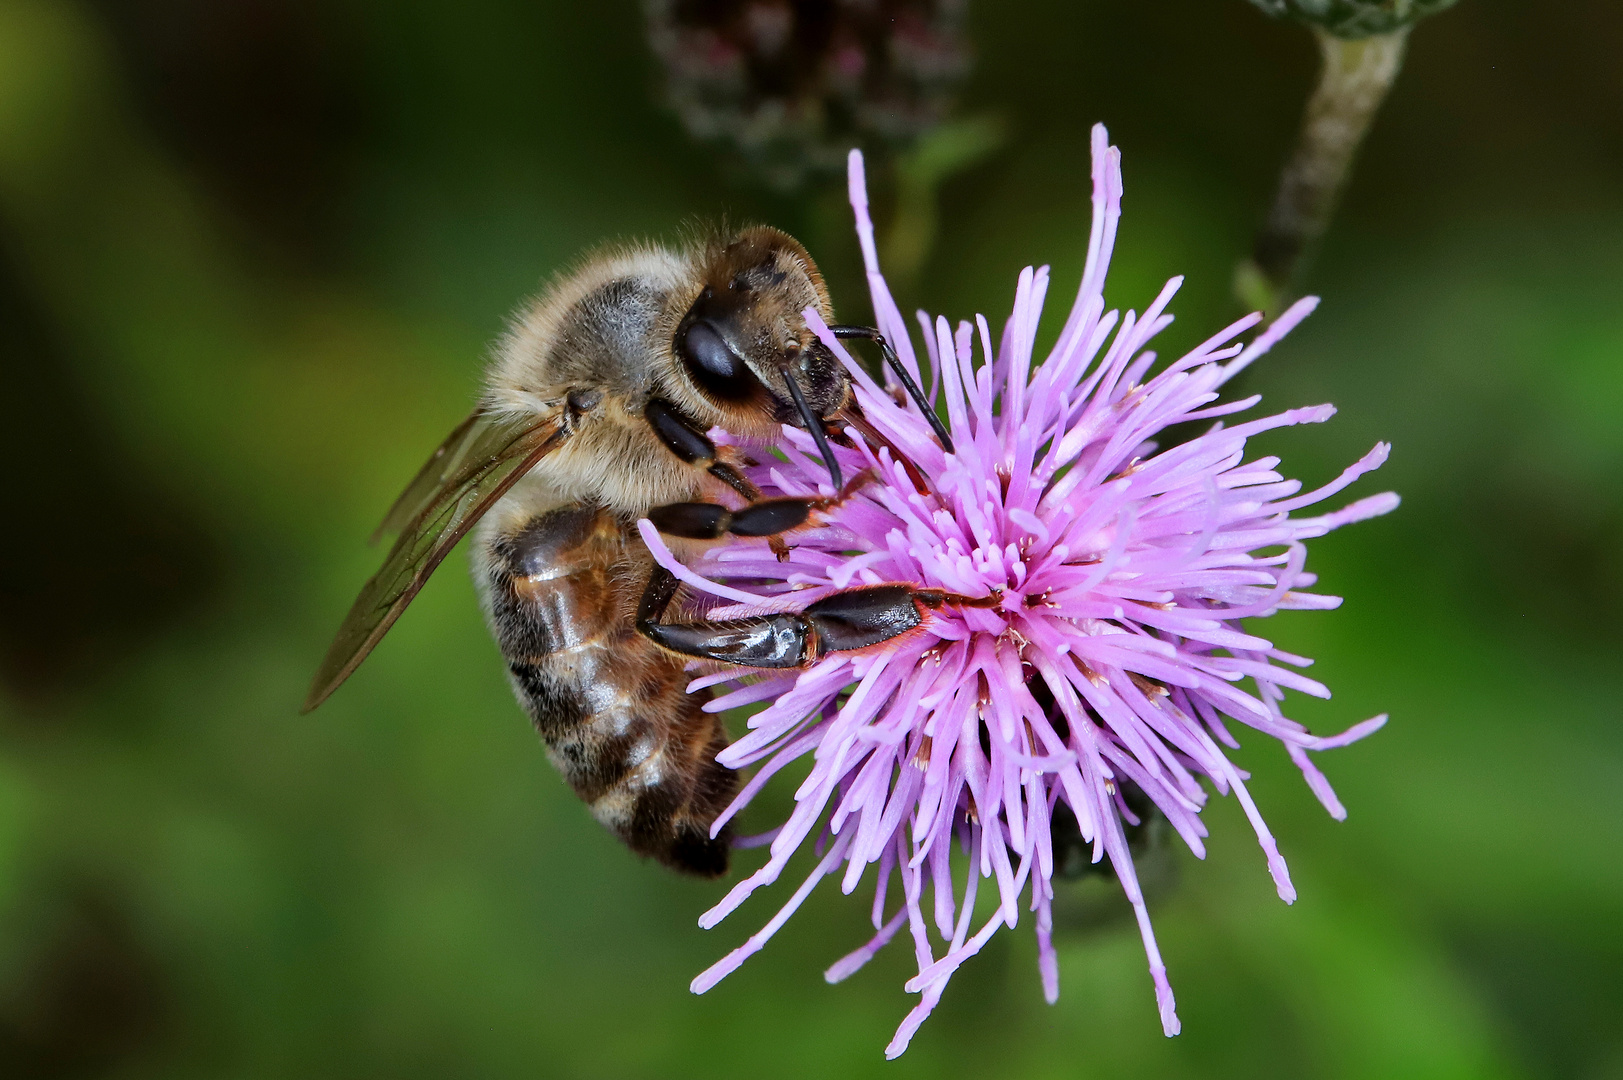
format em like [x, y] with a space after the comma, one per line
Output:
[594, 752]
[671, 790]
[612, 707]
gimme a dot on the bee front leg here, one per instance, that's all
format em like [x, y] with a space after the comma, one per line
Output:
[842, 621]
[694, 447]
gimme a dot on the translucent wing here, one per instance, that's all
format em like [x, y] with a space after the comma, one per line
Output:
[432, 477]
[485, 456]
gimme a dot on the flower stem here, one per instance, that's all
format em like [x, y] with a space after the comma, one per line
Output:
[1356, 76]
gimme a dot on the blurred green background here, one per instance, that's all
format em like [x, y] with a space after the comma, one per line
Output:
[251, 255]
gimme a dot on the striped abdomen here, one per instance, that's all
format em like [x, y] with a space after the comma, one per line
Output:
[562, 597]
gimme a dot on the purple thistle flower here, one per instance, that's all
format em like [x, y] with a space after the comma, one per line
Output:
[1116, 579]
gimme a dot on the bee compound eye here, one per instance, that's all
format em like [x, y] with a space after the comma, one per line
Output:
[720, 372]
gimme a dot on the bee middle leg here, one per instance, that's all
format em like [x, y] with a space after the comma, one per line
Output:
[842, 621]
[762, 517]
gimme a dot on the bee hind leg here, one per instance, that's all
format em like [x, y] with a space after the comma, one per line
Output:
[849, 619]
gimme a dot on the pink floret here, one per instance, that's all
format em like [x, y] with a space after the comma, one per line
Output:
[1124, 573]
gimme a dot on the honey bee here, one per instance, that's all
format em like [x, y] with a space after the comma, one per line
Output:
[595, 415]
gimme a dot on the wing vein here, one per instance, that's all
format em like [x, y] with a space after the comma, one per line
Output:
[470, 472]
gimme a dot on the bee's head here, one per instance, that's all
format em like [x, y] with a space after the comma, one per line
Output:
[744, 345]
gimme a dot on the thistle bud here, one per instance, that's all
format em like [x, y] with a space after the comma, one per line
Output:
[1354, 18]
[790, 87]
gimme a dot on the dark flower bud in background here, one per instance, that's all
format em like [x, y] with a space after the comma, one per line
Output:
[789, 86]
[1354, 18]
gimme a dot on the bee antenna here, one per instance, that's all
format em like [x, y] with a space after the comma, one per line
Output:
[902, 373]
[815, 425]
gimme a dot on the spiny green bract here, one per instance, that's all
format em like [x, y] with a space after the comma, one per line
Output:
[1354, 18]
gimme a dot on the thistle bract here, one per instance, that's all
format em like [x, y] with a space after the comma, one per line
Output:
[1354, 18]
[1109, 658]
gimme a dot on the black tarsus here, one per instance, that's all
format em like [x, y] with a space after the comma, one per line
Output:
[842, 621]
[691, 520]
[772, 641]
[857, 618]
[735, 480]
[674, 430]
[657, 595]
[912, 387]
[705, 520]
[769, 517]
[694, 446]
